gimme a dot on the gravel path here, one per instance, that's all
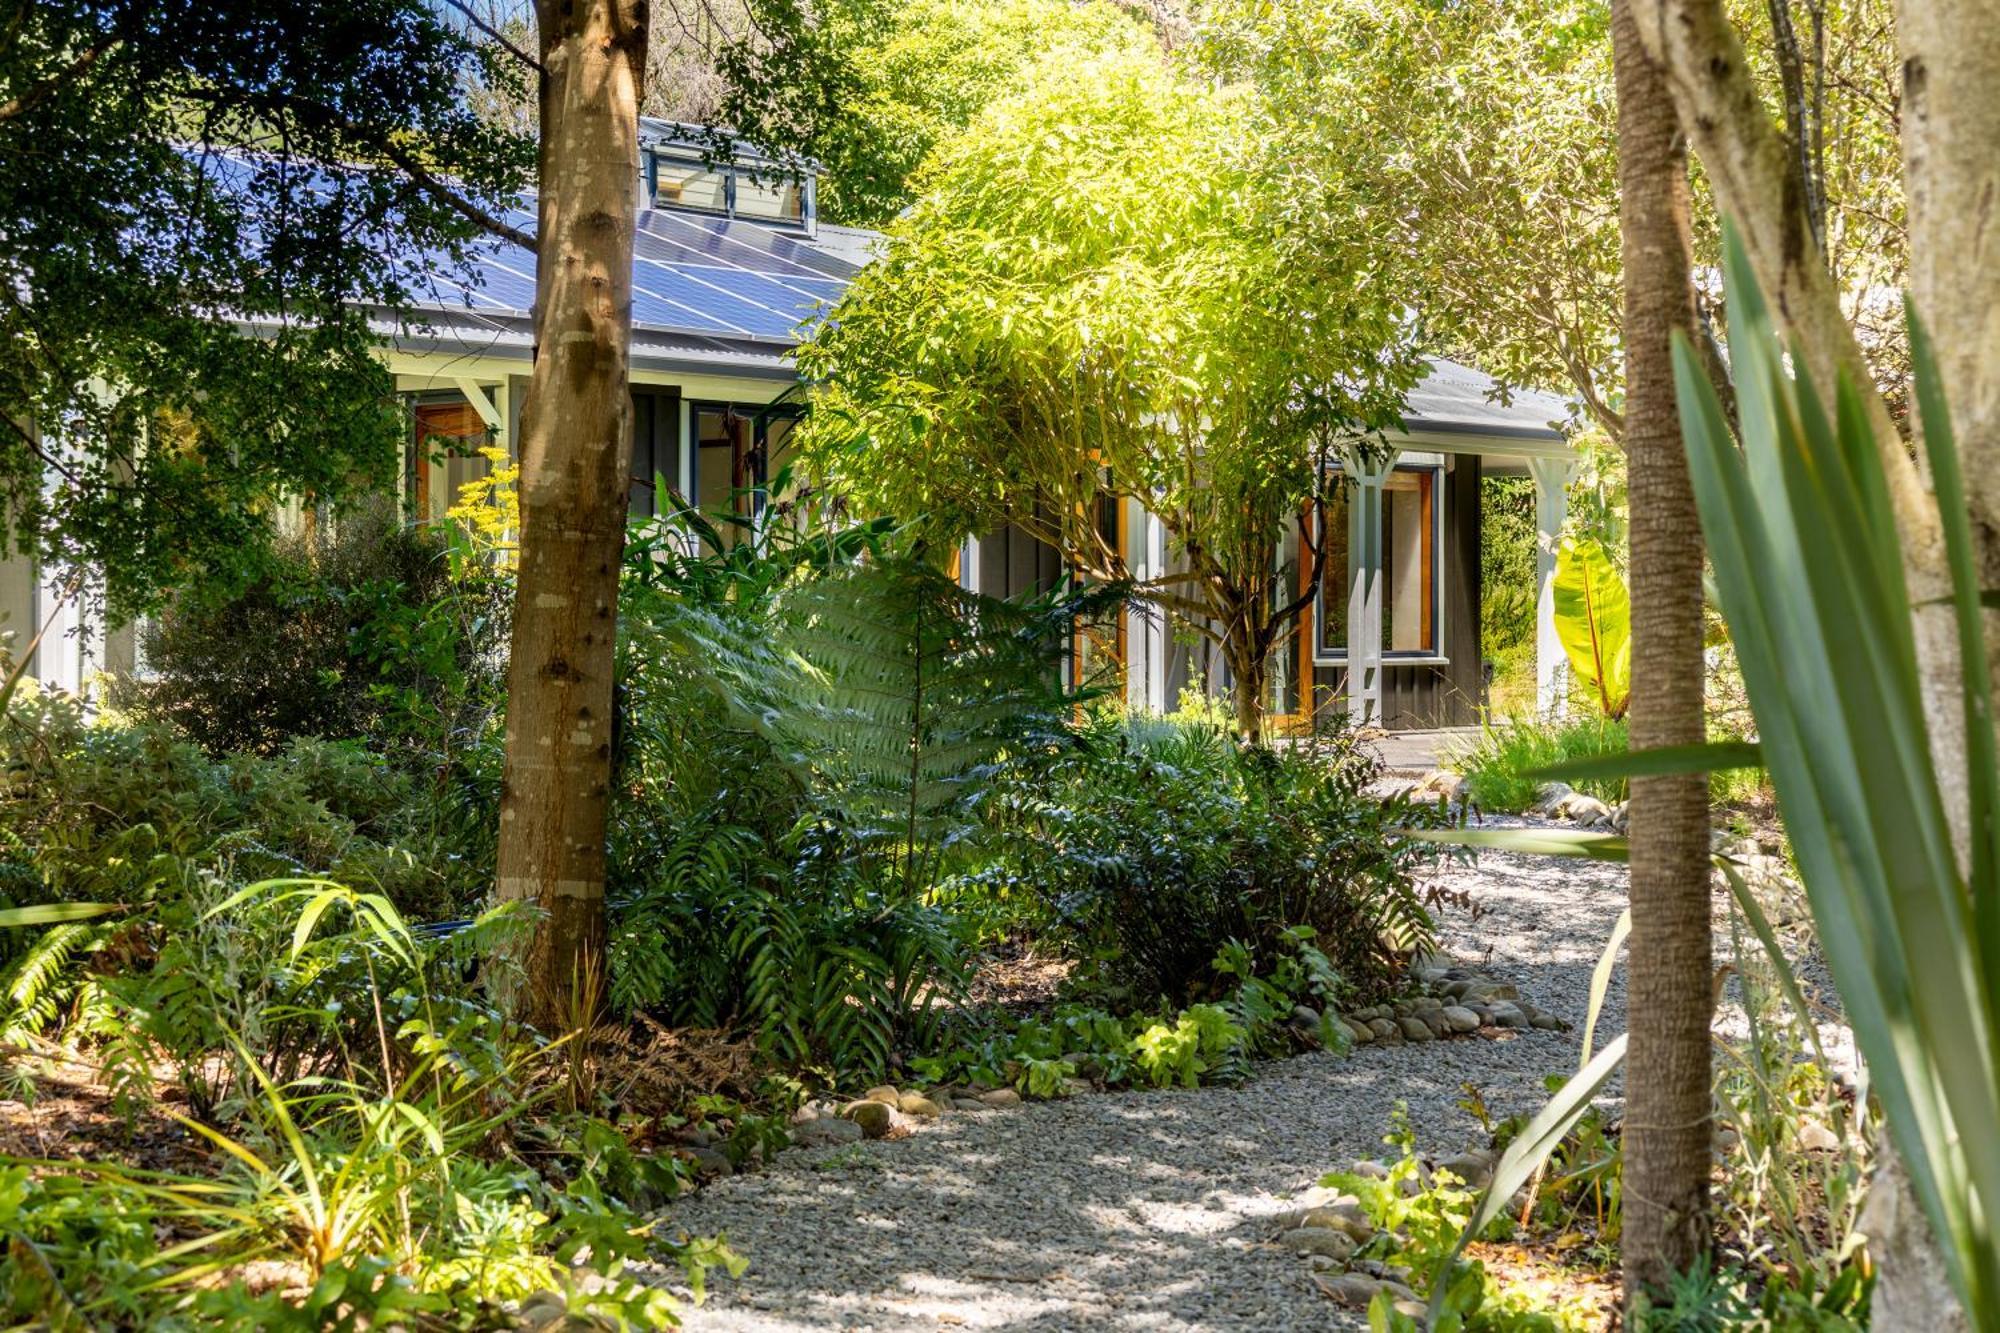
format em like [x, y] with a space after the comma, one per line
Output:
[1149, 1210]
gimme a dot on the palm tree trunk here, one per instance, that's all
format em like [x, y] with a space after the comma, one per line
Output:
[576, 439]
[1667, 1119]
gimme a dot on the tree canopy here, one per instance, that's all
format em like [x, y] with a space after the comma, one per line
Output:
[869, 89]
[1091, 299]
[1487, 134]
[169, 185]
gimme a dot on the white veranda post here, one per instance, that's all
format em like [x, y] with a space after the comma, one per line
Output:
[1364, 596]
[1551, 477]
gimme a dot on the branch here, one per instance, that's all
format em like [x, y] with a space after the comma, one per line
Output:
[500, 39]
[1799, 120]
[435, 186]
[47, 88]
[34, 446]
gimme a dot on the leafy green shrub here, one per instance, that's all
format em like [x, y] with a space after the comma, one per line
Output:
[1203, 1043]
[1418, 1216]
[360, 629]
[135, 816]
[807, 739]
[373, 1180]
[1149, 843]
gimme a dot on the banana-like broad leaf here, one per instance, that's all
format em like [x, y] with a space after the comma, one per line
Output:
[1808, 569]
[1593, 615]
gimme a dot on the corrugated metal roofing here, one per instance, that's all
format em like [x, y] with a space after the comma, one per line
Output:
[1458, 400]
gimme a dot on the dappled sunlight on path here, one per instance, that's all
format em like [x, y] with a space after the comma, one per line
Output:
[1147, 1210]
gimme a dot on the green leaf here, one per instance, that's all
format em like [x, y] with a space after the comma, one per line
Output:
[1531, 841]
[1760, 926]
[308, 918]
[1809, 575]
[1600, 979]
[52, 914]
[1660, 761]
[1526, 1154]
[1593, 618]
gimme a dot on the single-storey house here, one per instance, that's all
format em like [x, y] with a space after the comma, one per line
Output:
[730, 264]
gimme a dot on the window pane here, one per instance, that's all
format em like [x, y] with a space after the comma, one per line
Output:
[689, 185]
[777, 198]
[1409, 567]
[718, 462]
[1281, 671]
[1409, 594]
[645, 411]
[1335, 578]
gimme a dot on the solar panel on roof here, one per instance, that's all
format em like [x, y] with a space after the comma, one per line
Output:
[714, 276]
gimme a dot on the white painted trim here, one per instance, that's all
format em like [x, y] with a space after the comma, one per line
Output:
[1481, 444]
[475, 394]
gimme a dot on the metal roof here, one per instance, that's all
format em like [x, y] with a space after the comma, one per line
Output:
[733, 296]
[1454, 399]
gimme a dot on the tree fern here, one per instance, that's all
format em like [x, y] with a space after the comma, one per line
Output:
[41, 983]
[913, 690]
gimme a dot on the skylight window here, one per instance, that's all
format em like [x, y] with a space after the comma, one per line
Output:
[753, 186]
[678, 184]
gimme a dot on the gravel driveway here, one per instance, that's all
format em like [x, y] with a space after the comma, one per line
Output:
[1149, 1210]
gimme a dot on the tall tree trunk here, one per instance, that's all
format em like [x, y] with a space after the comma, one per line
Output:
[1951, 170]
[1667, 1081]
[576, 437]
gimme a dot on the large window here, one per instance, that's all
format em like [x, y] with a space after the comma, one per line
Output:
[656, 448]
[739, 451]
[1412, 536]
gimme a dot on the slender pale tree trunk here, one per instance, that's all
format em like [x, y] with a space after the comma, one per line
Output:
[1754, 175]
[1667, 1139]
[1951, 172]
[576, 428]
[1951, 169]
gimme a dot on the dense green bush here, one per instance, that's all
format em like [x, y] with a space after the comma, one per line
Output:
[1206, 1042]
[360, 630]
[810, 727]
[1148, 844]
[135, 815]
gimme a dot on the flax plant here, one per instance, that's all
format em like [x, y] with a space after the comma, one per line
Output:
[1810, 580]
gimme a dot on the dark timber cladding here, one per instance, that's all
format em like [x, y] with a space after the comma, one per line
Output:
[1415, 694]
[1418, 695]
